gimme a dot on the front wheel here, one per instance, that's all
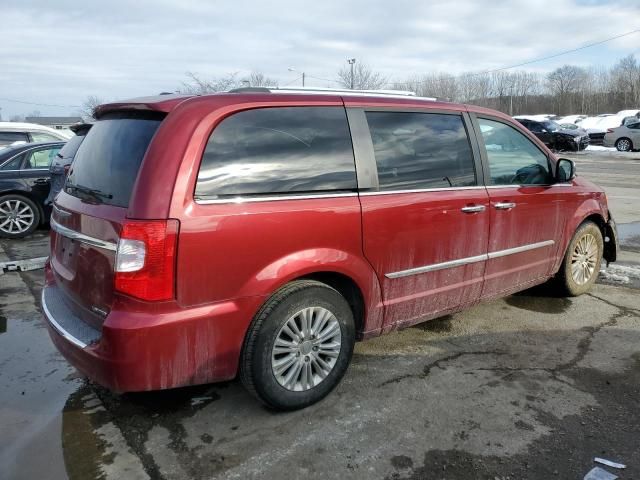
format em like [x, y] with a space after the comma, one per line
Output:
[582, 260]
[299, 346]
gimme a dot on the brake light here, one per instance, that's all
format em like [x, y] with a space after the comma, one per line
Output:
[145, 259]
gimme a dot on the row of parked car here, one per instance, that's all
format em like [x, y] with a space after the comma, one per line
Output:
[33, 165]
[577, 132]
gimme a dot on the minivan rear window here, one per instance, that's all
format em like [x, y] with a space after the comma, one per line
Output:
[106, 164]
[278, 150]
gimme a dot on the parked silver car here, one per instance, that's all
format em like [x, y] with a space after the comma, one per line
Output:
[625, 138]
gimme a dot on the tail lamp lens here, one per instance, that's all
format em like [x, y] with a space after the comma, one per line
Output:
[145, 259]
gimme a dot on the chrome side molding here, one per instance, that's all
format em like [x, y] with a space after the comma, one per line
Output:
[468, 260]
[81, 237]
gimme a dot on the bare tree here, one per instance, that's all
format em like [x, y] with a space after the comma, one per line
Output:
[364, 78]
[626, 80]
[200, 86]
[562, 83]
[88, 108]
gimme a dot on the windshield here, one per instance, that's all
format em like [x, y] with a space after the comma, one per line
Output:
[107, 161]
[551, 126]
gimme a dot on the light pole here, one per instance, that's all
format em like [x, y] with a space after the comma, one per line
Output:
[291, 69]
[351, 62]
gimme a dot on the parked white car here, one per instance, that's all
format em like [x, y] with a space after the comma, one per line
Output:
[15, 133]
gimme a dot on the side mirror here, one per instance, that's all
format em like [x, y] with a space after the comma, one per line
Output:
[565, 170]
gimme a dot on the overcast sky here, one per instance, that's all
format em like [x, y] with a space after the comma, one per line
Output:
[60, 52]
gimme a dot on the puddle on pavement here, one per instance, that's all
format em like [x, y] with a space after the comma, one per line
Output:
[629, 234]
[539, 304]
[437, 325]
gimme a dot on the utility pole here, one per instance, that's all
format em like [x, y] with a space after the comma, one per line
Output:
[303, 79]
[351, 62]
[291, 69]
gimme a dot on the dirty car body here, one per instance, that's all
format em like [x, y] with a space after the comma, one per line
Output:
[159, 281]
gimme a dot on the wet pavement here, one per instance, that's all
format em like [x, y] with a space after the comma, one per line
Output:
[530, 386]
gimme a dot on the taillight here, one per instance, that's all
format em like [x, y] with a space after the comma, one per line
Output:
[145, 260]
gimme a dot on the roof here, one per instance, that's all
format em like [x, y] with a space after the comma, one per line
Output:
[53, 120]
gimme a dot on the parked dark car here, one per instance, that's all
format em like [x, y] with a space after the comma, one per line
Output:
[258, 233]
[24, 186]
[555, 137]
[59, 168]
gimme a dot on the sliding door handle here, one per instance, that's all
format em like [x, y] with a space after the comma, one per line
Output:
[504, 205]
[473, 209]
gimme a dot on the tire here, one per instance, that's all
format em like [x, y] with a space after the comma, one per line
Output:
[572, 278]
[19, 216]
[624, 145]
[262, 368]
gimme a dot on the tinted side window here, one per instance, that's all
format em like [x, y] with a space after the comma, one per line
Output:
[13, 164]
[278, 150]
[421, 150]
[535, 127]
[513, 158]
[7, 138]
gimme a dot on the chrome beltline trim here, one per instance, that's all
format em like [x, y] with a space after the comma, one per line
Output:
[81, 237]
[57, 327]
[465, 261]
[523, 248]
[241, 199]
[420, 190]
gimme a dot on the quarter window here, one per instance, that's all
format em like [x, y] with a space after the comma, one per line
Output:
[41, 158]
[43, 137]
[513, 158]
[421, 150]
[278, 150]
[7, 138]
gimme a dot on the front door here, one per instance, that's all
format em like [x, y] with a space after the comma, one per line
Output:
[426, 225]
[526, 210]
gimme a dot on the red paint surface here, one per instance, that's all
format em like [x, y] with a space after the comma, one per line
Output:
[232, 257]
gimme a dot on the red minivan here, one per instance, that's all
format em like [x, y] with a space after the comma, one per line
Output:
[260, 232]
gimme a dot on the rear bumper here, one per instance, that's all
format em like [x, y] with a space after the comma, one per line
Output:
[159, 348]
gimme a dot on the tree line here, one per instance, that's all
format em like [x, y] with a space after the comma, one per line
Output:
[569, 89]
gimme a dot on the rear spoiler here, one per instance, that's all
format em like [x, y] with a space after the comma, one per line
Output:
[158, 103]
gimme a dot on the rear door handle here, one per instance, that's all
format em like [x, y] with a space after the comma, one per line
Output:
[473, 209]
[41, 181]
[504, 205]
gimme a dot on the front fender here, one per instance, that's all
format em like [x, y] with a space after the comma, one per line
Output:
[307, 262]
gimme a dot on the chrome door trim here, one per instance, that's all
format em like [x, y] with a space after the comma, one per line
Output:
[522, 248]
[422, 190]
[81, 237]
[468, 260]
[437, 266]
[504, 205]
[57, 327]
[270, 198]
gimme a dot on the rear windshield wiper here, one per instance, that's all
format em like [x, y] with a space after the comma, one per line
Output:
[96, 194]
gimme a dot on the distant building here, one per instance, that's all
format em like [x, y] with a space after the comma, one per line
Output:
[59, 123]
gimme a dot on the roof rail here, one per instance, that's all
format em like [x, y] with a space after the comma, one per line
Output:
[329, 91]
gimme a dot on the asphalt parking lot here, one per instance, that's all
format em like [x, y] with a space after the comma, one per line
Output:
[530, 386]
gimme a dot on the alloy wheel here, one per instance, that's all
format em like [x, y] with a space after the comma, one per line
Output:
[15, 216]
[306, 349]
[584, 259]
[623, 145]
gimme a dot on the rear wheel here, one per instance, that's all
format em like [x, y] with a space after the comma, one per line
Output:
[299, 346]
[582, 260]
[19, 216]
[624, 145]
